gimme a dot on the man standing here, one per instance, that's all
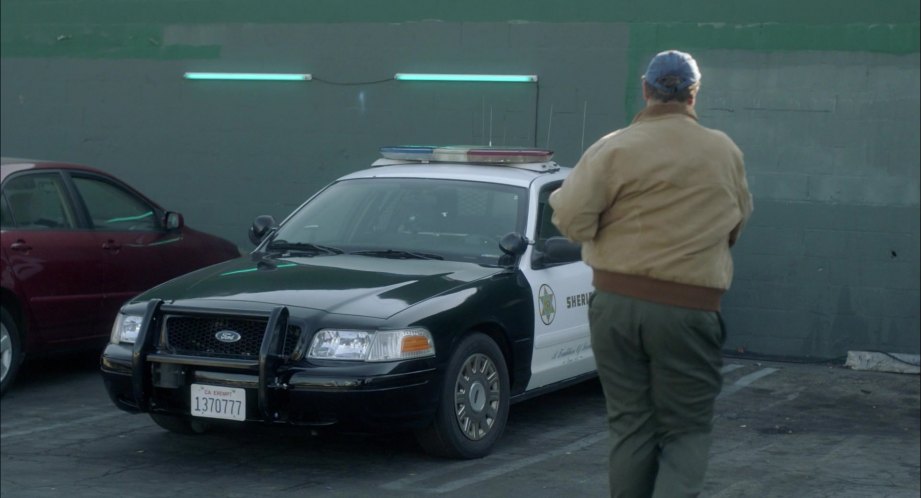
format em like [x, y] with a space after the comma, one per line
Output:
[657, 206]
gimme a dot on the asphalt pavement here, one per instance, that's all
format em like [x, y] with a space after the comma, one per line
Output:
[782, 430]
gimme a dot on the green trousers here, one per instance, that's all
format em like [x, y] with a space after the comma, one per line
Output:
[659, 367]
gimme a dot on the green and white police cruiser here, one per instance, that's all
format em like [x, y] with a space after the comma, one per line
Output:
[426, 293]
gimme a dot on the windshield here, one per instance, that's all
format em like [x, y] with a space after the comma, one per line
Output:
[409, 218]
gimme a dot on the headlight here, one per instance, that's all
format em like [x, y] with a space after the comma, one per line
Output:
[363, 345]
[126, 328]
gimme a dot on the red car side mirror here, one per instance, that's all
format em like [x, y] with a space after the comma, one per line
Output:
[173, 221]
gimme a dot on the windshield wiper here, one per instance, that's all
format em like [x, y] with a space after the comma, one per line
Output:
[284, 245]
[398, 254]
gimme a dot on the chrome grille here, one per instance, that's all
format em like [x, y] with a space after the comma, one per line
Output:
[194, 335]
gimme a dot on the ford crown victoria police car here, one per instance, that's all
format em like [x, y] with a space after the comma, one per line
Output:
[426, 293]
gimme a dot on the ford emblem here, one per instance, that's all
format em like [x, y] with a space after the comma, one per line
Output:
[227, 336]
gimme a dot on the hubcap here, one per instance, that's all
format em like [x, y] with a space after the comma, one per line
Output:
[6, 352]
[476, 396]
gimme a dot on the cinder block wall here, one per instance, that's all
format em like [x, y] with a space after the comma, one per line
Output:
[822, 96]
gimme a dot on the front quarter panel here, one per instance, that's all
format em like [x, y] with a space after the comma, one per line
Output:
[499, 306]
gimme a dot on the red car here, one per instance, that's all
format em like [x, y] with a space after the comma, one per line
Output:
[76, 244]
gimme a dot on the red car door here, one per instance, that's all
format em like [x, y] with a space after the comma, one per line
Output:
[130, 234]
[55, 264]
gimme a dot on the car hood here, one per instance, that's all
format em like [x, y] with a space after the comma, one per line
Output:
[342, 284]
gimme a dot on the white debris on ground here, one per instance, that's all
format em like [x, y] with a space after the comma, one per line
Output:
[884, 362]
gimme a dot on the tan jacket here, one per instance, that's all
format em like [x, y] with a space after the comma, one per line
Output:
[656, 206]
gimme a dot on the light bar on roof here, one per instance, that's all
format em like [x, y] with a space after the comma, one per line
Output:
[248, 76]
[409, 152]
[467, 154]
[489, 78]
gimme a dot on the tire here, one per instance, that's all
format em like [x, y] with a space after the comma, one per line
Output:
[474, 402]
[178, 424]
[10, 350]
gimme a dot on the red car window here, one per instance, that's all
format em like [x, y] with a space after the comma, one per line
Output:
[112, 208]
[37, 201]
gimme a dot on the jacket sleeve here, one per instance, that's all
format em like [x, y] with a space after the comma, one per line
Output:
[746, 205]
[583, 197]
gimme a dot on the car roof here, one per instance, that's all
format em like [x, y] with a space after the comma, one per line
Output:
[515, 175]
[9, 165]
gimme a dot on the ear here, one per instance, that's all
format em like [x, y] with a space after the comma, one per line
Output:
[693, 95]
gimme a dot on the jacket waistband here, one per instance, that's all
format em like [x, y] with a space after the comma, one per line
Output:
[658, 291]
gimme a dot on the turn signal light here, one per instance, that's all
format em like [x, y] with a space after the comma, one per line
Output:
[415, 344]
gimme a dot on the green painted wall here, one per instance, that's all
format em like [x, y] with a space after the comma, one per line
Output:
[123, 29]
[128, 29]
[350, 11]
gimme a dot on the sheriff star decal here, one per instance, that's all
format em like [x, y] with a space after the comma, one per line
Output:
[547, 304]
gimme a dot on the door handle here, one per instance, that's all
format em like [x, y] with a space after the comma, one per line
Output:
[20, 246]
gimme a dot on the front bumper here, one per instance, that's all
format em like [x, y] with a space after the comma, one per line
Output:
[363, 396]
[372, 397]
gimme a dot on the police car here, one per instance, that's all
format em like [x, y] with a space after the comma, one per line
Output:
[426, 293]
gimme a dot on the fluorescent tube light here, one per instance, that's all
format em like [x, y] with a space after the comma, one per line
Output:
[248, 76]
[493, 78]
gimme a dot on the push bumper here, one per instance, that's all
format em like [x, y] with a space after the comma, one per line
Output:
[374, 396]
[355, 398]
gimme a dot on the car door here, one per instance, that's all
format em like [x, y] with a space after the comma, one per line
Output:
[55, 262]
[129, 231]
[561, 290]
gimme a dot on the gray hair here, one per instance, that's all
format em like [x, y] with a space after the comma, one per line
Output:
[669, 90]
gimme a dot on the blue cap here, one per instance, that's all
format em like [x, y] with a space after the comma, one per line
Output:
[672, 63]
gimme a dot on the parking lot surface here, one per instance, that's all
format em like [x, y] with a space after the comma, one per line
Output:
[781, 430]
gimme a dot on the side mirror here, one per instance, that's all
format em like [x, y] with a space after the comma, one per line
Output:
[173, 221]
[513, 244]
[557, 250]
[262, 225]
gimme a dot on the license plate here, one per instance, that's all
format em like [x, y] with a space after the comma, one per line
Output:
[218, 402]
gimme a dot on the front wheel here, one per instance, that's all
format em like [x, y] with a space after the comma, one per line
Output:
[473, 408]
[10, 350]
